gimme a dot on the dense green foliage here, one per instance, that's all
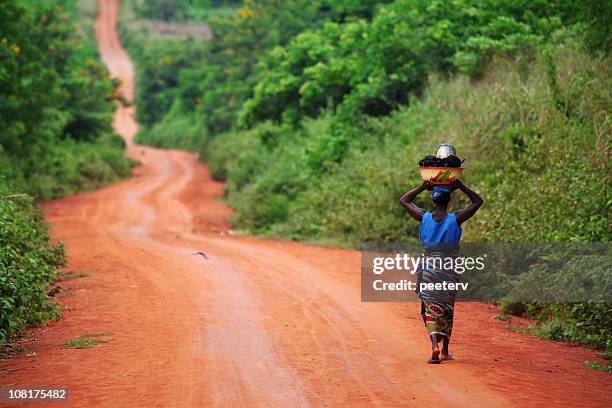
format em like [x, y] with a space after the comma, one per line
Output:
[315, 114]
[56, 104]
[27, 265]
[515, 135]
[573, 278]
[212, 81]
[371, 68]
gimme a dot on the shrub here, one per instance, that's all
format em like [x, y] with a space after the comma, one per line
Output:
[27, 265]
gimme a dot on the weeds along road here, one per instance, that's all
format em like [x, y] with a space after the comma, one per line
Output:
[261, 322]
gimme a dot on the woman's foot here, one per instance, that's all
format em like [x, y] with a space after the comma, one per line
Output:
[435, 356]
[446, 356]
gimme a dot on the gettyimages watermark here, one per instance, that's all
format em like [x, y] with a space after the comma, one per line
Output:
[487, 272]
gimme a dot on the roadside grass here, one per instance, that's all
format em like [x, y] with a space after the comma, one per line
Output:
[83, 343]
[97, 334]
[598, 366]
[86, 341]
[73, 275]
[515, 329]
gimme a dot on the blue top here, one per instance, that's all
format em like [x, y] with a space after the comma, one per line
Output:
[443, 231]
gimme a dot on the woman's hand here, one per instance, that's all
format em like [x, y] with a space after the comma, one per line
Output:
[457, 185]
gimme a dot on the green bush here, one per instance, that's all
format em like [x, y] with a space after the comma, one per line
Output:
[27, 264]
[517, 140]
[174, 131]
[373, 67]
[584, 323]
[156, 70]
[572, 292]
[69, 167]
[57, 104]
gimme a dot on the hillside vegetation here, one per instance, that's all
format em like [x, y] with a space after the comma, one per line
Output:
[56, 105]
[315, 114]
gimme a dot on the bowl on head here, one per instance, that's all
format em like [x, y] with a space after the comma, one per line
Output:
[440, 175]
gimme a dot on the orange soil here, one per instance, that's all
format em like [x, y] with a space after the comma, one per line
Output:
[260, 323]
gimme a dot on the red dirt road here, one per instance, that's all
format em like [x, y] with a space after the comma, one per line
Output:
[262, 322]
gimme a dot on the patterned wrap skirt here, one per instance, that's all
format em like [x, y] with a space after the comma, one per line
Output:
[437, 306]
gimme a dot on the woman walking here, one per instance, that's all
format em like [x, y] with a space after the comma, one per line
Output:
[440, 233]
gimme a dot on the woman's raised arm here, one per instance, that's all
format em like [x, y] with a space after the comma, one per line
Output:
[406, 201]
[476, 201]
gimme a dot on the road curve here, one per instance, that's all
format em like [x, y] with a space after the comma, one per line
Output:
[260, 322]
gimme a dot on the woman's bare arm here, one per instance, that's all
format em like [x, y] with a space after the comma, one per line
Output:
[476, 201]
[406, 201]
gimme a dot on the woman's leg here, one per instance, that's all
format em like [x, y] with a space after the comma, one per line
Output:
[435, 348]
[431, 326]
[444, 354]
